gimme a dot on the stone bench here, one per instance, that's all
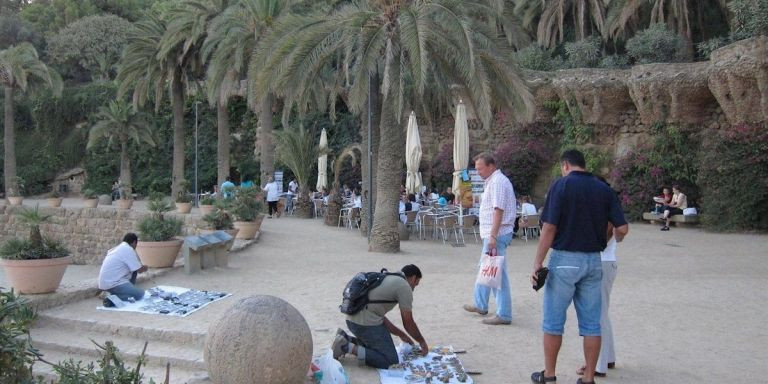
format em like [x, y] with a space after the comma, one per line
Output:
[678, 220]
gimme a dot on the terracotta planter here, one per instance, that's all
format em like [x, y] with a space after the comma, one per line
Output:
[184, 208]
[54, 202]
[35, 276]
[15, 200]
[90, 203]
[247, 229]
[124, 204]
[206, 209]
[158, 254]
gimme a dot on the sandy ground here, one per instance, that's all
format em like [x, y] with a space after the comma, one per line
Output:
[688, 306]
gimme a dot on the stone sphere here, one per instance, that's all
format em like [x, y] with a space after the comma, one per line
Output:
[260, 339]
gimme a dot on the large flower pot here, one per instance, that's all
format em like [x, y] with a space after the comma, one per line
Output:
[247, 229]
[206, 209]
[35, 276]
[54, 202]
[105, 199]
[184, 207]
[124, 204]
[158, 254]
[90, 203]
[15, 200]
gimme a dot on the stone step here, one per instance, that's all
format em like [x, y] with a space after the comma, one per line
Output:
[178, 375]
[158, 352]
[113, 328]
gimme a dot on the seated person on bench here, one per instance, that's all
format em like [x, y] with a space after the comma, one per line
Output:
[120, 268]
[679, 202]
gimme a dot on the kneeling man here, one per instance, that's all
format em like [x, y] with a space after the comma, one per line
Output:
[372, 343]
[119, 270]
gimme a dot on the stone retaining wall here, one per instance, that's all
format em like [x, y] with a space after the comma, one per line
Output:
[87, 232]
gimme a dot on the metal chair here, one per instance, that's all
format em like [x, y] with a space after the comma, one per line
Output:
[412, 220]
[529, 224]
[447, 223]
[343, 216]
[469, 223]
[352, 218]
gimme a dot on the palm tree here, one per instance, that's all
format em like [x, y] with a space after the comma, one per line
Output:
[119, 123]
[296, 148]
[438, 47]
[587, 17]
[20, 69]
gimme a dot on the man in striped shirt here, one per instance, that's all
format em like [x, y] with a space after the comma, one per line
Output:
[497, 223]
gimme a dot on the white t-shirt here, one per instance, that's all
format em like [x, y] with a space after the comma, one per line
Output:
[528, 209]
[609, 253]
[272, 193]
[293, 186]
[120, 263]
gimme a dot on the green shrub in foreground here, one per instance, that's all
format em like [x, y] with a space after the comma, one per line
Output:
[656, 44]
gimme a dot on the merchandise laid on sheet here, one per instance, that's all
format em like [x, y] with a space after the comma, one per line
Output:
[441, 365]
[168, 300]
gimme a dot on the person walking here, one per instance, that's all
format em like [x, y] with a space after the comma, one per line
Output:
[273, 195]
[497, 223]
[575, 216]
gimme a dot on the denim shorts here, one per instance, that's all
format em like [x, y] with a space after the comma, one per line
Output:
[577, 277]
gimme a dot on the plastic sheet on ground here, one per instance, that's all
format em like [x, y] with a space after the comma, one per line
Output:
[441, 364]
[170, 301]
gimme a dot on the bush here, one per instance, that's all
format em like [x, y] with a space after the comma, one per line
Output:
[219, 219]
[521, 160]
[705, 48]
[537, 58]
[110, 365]
[157, 227]
[23, 249]
[750, 17]
[614, 62]
[247, 205]
[207, 200]
[656, 44]
[584, 53]
[16, 352]
[734, 179]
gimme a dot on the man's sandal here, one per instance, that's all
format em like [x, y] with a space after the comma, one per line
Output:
[585, 382]
[581, 370]
[539, 378]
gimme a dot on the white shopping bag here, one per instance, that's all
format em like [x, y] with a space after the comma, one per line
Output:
[333, 372]
[490, 271]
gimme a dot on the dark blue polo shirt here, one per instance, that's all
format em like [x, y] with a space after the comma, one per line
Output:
[580, 205]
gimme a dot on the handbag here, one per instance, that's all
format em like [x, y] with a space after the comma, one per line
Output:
[490, 271]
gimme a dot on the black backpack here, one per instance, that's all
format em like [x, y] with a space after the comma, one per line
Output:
[355, 296]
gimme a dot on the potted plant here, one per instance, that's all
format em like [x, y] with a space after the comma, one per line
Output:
[219, 220]
[90, 198]
[15, 191]
[207, 205]
[183, 199]
[126, 198]
[54, 199]
[157, 245]
[35, 264]
[247, 209]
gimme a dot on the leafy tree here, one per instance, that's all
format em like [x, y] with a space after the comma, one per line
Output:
[297, 149]
[50, 16]
[417, 50]
[119, 123]
[20, 70]
[750, 17]
[92, 44]
[14, 30]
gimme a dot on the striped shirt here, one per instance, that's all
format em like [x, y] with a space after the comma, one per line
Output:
[497, 193]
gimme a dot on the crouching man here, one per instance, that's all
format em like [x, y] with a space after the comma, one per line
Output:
[120, 268]
[372, 343]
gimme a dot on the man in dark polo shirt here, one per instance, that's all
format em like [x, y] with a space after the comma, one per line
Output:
[576, 216]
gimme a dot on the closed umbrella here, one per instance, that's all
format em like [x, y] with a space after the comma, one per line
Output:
[460, 145]
[412, 156]
[322, 163]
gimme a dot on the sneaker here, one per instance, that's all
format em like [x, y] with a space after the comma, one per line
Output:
[539, 378]
[665, 228]
[496, 321]
[339, 346]
[472, 308]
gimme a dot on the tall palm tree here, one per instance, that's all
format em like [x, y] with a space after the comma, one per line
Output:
[296, 148]
[587, 17]
[417, 48]
[20, 69]
[119, 123]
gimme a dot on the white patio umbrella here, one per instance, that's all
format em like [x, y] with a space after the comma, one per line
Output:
[412, 156]
[322, 163]
[460, 145]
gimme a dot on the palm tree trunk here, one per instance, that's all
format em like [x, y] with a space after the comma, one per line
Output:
[222, 146]
[177, 104]
[384, 234]
[303, 203]
[267, 160]
[369, 197]
[9, 145]
[125, 171]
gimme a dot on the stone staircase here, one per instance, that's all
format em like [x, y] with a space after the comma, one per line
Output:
[63, 334]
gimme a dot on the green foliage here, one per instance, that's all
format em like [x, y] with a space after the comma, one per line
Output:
[16, 352]
[657, 44]
[584, 53]
[297, 149]
[614, 62]
[750, 17]
[91, 46]
[90, 194]
[112, 368]
[17, 187]
[705, 48]
[219, 219]
[14, 30]
[157, 227]
[183, 195]
[576, 135]
[522, 158]
[23, 249]
[537, 58]
[734, 179]
[207, 200]
[247, 205]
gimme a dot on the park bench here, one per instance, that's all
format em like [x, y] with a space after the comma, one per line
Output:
[206, 251]
[678, 220]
